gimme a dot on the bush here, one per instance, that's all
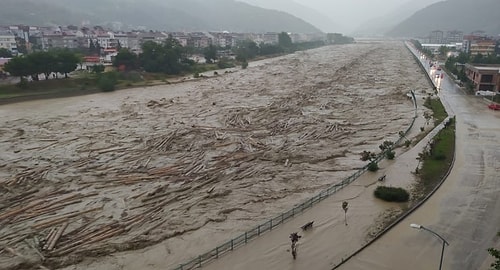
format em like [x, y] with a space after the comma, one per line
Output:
[390, 154]
[244, 65]
[196, 75]
[440, 156]
[225, 63]
[373, 166]
[391, 194]
[407, 143]
[107, 81]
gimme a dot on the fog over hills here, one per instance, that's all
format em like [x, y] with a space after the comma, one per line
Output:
[386, 22]
[462, 15]
[315, 17]
[171, 15]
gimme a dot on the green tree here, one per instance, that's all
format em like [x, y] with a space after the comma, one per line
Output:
[169, 57]
[4, 53]
[285, 41]
[443, 51]
[245, 50]
[210, 53]
[66, 62]
[43, 62]
[127, 59]
[20, 66]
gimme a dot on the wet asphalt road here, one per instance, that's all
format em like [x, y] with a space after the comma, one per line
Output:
[465, 210]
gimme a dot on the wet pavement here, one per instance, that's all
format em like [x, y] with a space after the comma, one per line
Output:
[465, 210]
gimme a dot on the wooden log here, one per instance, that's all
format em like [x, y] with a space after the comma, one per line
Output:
[58, 235]
[61, 219]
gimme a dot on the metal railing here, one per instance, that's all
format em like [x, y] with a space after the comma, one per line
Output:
[280, 219]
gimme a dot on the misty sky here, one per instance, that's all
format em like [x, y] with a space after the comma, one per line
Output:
[349, 13]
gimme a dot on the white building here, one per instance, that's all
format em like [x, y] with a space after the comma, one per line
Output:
[8, 41]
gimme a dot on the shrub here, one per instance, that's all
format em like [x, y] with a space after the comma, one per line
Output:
[373, 166]
[196, 75]
[440, 156]
[422, 129]
[106, 84]
[390, 154]
[244, 65]
[107, 81]
[391, 194]
[407, 143]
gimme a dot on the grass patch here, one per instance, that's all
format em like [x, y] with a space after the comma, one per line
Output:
[438, 160]
[439, 113]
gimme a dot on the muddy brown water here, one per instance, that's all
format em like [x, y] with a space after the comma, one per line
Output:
[193, 164]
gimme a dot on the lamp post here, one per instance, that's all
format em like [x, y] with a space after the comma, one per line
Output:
[420, 227]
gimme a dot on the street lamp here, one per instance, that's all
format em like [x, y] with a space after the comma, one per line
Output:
[420, 227]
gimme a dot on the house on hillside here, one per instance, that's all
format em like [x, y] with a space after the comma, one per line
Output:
[485, 77]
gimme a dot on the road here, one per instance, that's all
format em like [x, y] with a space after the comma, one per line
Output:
[465, 210]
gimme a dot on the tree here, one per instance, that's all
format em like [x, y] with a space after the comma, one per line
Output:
[285, 41]
[210, 54]
[43, 62]
[4, 53]
[19, 66]
[169, 57]
[66, 62]
[127, 59]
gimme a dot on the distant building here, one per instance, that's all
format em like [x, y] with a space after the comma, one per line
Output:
[270, 38]
[436, 37]
[475, 44]
[8, 41]
[454, 37]
[485, 77]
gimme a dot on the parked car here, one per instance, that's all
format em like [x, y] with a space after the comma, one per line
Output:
[495, 107]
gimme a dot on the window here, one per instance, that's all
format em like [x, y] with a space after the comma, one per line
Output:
[487, 79]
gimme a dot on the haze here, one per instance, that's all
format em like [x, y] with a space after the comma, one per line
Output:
[348, 16]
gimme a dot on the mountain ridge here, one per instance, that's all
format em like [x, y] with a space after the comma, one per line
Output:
[462, 15]
[168, 15]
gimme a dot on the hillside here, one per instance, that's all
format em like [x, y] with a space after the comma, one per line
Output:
[462, 15]
[310, 15]
[382, 24]
[170, 15]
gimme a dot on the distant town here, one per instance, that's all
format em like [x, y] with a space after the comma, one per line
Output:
[473, 43]
[26, 39]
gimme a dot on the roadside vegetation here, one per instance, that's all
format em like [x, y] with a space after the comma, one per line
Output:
[495, 253]
[391, 194]
[438, 111]
[436, 159]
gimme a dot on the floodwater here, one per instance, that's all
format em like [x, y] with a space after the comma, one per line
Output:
[191, 165]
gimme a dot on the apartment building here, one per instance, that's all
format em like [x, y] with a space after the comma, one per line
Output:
[485, 77]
